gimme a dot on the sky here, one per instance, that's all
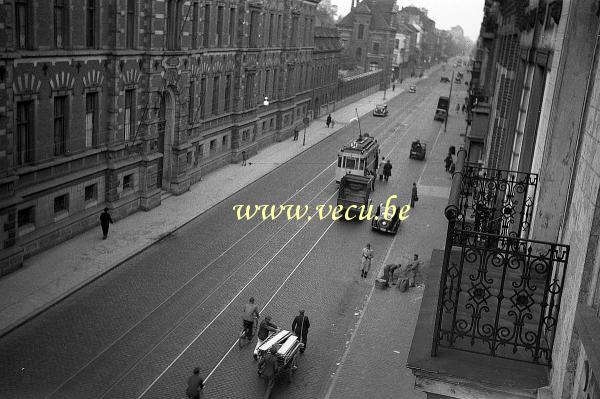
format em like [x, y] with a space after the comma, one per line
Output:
[446, 13]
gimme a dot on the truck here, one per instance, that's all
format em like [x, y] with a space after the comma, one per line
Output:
[441, 112]
[355, 191]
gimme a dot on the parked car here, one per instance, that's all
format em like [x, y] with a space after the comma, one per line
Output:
[445, 79]
[387, 223]
[412, 89]
[381, 110]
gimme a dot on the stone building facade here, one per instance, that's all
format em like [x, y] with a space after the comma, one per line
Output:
[326, 65]
[109, 104]
[550, 150]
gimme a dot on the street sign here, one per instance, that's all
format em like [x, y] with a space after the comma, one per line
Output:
[306, 121]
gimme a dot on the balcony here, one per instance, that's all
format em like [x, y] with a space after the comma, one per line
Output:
[489, 312]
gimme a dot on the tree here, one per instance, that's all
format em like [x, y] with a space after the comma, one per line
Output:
[326, 14]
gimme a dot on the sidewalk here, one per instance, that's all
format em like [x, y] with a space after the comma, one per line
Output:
[374, 363]
[52, 275]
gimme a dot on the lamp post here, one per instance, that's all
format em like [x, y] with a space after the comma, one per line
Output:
[449, 98]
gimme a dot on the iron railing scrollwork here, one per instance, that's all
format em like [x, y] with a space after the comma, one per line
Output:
[500, 295]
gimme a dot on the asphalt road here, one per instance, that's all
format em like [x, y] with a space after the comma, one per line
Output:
[140, 329]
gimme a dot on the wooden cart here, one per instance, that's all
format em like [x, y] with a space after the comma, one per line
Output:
[288, 347]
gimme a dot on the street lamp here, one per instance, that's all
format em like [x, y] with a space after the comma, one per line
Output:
[266, 102]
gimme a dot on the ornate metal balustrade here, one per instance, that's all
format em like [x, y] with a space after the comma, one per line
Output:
[496, 201]
[499, 292]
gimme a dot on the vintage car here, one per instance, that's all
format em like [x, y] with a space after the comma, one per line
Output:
[386, 222]
[412, 89]
[380, 110]
[445, 79]
[355, 191]
[417, 150]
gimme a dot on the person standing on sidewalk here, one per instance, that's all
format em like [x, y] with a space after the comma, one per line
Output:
[380, 169]
[452, 169]
[414, 197]
[328, 121]
[365, 262]
[457, 108]
[448, 161]
[412, 269]
[332, 123]
[195, 384]
[393, 86]
[387, 170]
[105, 221]
[296, 132]
[300, 327]
[244, 158]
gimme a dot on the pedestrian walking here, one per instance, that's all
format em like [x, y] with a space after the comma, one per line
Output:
[412, 269]
[268, 367]
[263, 332]
[300, 327]
[414, 196]
[463, 108]
[452, 169]
[332, 123]
[380, 169]
[365, 263]
[448, 161]
[296, 133]
[244, 158]
[195, 384]
[105, 221]
[393, 86]
[387, 170]
[328, 122]
[457, 108]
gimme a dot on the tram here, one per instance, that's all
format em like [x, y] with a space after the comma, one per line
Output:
[358, 157]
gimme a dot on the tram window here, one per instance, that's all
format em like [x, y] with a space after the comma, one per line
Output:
[339, 162]
[350, 163]
[362, 164]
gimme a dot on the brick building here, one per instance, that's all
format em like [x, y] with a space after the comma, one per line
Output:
[512, 308]
[108, 104]
[368, 35]
[326, 65]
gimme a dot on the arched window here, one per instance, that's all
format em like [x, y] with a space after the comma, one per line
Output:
[358, 54]
[361, 31]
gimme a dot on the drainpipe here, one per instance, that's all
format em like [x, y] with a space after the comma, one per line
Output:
[588, 86]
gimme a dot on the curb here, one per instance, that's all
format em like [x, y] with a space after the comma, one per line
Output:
[91, 279]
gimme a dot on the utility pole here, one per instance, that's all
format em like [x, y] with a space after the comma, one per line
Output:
[449, 99]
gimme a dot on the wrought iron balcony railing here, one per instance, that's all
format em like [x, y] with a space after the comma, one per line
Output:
[499, 292]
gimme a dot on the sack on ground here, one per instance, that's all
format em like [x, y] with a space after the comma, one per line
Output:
[403, 285]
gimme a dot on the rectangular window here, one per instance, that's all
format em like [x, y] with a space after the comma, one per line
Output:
[192, 103]
[206, 35]
[294, 38]
[60, 134]
[274, 84]
[271, 28]
[91, 118]
[202, 98]
[224, 142]
[220, 26]
[215, 96]
[22, 24]
[227, 92]
[61, 203]
[90, 23]
[375, 48]
[213, 146]
[129, 115]
[195, 17]
[271, 123]
[280, 30]
[232, 26]
[264, 126]
[24, 132]
[291, 84]
[91, 192]
[26, 216]
[130, 23]
[266, 89]
[60, 23]
[254, 29]
[248, 95]
[199, 153]
[128, 182]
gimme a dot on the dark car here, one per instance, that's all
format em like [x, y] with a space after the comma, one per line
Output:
[445, 79]
[417, 150]
[387, 223]
[381, 110]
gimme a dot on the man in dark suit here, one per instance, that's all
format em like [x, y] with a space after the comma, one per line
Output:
[195, 385]
[300, 327]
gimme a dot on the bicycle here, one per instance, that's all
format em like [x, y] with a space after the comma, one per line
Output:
[243, 338]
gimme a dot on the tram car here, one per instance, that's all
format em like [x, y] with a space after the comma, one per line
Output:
[360, 157]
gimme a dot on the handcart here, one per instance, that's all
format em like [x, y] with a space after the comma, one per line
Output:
[288, 347]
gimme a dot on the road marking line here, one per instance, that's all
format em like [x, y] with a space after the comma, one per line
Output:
[345, 355]
[182, 287]
[273, 296]
[179, 323]
[228, 305]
